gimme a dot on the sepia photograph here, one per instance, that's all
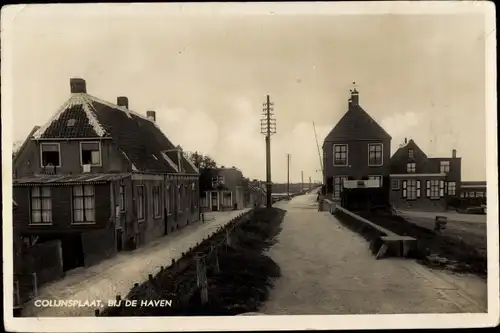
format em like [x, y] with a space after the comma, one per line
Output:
[308, 165]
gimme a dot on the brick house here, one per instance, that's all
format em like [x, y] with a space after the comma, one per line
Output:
[473, 189]
[357, 148]
[228, 190]
[100, 178]
[422, 182]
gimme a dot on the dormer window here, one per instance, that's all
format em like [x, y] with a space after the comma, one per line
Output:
[444, 166]
[411, 153]
[411, 167]
[50, 154]
[90, 153]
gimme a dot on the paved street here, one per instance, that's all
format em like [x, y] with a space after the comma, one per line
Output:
[117, 275]
[328, 269]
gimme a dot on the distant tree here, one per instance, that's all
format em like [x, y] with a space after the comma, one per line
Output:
[207, 167]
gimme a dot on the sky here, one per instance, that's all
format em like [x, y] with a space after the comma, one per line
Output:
[421, 77]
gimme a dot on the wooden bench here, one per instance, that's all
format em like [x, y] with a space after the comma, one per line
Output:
[400, 246]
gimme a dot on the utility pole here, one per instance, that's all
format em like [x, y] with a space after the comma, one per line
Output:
[302, 181]
[268, 128]
[288, 175]
[310, 184]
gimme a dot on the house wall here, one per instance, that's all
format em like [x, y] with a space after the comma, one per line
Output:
[98, 245]
[357, 159]
[421, 203]
[62, 212]
[28, 162]
[45, 260]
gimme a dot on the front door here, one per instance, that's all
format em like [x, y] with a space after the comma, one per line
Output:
[215, 200]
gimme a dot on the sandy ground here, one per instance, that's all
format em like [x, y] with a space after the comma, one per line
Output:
[328, 269]
[117, 275]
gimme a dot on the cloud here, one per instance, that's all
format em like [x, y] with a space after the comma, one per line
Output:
[193, 130]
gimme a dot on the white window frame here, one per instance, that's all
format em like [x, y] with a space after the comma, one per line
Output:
[83, 196]
[412, 155]
[408, 167]
[143, 217]
[40, 197]
[395, 181]
[381, 154]
[346, 154]
[454, 188]
[156, 201]
[342, 178]
[413, 184]
[479, 194]
[380, 178]
[122, 199]
[58, 150]
[443, 165]
[433, 189]
[100, 153]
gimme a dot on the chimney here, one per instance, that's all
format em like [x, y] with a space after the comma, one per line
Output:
[454, 153]
[151, 115]
[406, 140]
[354, 97]
[77, 85]
[122, 101]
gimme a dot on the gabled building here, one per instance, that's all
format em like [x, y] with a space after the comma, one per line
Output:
[422, 182]
[101, 178]
[357, 148]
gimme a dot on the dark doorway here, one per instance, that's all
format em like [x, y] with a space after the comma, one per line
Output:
[72, 252]
[119, 240]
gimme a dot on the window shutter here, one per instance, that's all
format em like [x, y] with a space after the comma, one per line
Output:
[404, 189]
[428, 188]
[418, 188]
[441, 188]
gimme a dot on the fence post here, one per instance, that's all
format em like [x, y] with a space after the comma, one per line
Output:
[201, 277]
[216, 254]
[35, 285]
[228, 237]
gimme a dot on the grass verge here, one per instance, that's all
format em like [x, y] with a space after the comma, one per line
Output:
[241, 284]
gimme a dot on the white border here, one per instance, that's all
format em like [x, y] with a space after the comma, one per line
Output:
[249, 323]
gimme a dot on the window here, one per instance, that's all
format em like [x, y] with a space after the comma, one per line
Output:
[227, 199]
[41, 205]
[433, 189]
[193, 197]
[411, 154]
[340, 155]
[452, 188]
[157, 201]
[411, 167]
[122, 198]
[375, 157]
[479, 194]
[444, 166]
[168, 197]
[90, 153]
[379, 178]
[337, 185]
[83, 204]
[141, 200]
[411, 189]
[395, 184]
[462, 195]
[471, 194]
[50, 154]
[179, 198]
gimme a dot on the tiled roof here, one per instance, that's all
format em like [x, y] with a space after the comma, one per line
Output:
[90, 178]
[357, 124]
[140, 139]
